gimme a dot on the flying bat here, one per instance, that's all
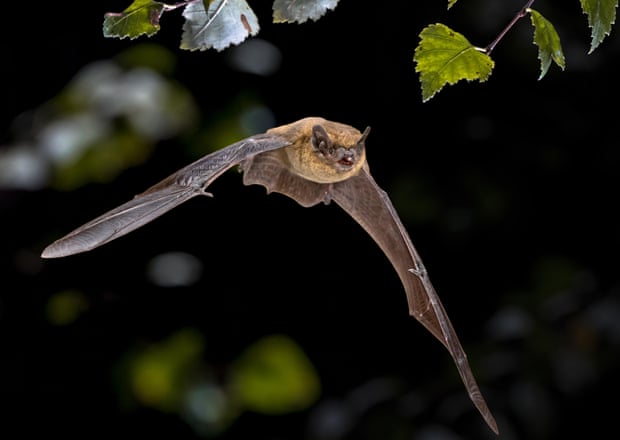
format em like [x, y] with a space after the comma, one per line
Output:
[312, 160]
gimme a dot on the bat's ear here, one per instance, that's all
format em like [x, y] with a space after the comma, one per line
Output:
[320, 139]
[364, 136]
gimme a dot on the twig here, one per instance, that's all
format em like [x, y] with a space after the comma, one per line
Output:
[522, 13]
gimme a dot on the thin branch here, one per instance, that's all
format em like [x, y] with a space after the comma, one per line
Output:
[522, 13]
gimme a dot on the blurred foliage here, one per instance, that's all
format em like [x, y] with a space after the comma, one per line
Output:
[158, 375]
[107, 119]
[272, 376]
[65, 307]
[244, 116]
[111, 116]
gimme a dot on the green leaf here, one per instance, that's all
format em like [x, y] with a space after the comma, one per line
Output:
[446, 57]
[217, 24]
[290, 11]
[451, 3]
[274, 376]
[548, 42]
[141, 17]
[601, 15]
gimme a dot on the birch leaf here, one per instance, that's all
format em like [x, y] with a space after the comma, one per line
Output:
[141, 17]
[548, 42]
[291, 11]
[601, 15]
[446, 57]
[217, 24]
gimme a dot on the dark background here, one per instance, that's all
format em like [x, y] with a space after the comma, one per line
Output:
[507, 190]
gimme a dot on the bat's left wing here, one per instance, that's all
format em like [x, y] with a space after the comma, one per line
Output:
[177, 188]
[370, 206]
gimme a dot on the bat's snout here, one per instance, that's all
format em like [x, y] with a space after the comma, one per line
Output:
[348, 158]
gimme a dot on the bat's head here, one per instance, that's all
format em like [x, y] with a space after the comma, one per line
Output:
[323, 151]
[334, 152]
[343, 148]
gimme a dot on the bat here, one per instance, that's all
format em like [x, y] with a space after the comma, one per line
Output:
[312, 160]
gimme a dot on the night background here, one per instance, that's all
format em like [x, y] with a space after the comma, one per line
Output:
[247, 316]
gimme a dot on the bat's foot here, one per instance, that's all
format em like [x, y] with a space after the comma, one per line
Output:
[327, 198]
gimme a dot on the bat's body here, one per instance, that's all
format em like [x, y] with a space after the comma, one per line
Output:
[312, 160]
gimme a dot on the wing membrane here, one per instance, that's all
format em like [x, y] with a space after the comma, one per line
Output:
[371, 207]
[179, 187]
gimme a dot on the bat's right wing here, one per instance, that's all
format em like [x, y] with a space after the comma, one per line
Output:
[177, 188]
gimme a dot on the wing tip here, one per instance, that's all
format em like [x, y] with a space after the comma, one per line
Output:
[488, 417]
[47, 254]
[53, 251]
[482, 407]
[64, 247]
